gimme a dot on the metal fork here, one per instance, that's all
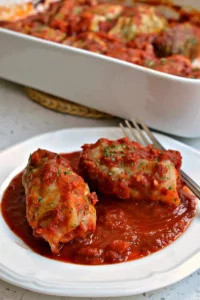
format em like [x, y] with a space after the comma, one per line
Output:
[140, 137]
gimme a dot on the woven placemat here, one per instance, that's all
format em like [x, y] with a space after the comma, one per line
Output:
[63, 106]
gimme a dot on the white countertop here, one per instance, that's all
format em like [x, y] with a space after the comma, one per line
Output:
[20, 119]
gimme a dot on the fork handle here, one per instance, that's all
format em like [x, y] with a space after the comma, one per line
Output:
[191, 184]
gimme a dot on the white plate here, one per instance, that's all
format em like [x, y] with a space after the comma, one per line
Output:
[167, 103]
[22, 267]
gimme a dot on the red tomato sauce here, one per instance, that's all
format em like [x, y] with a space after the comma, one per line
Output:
[126, 229]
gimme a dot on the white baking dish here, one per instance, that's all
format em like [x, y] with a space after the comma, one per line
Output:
[167, 103]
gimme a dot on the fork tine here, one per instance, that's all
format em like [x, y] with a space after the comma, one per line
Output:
[146, 142]
[151, 136]
[123, 129]
[132, 131]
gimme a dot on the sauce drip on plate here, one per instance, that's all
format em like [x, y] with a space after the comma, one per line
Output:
[126, 229]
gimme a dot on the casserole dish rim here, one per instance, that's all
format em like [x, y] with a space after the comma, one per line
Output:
[87, 53]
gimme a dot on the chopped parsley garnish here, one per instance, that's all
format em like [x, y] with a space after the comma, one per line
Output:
[165, 178]
[171, 187]
[73, 226]
[193, 41]
[77, 10]
[106, 152]
[175, 199]
[163, 61]
[110, 173]
[67, 172]
[39, 199]
[149, 63]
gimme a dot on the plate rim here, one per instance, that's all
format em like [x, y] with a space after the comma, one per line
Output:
[15, 145]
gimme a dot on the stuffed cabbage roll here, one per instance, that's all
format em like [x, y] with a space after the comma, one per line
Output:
[128, 170]
[59, 205]
[181, 39]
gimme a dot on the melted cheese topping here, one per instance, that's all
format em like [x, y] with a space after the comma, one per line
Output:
[104, 13]
[14, 12]
[127, 28]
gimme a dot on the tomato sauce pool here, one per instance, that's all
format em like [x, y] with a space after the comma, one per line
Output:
[126, 229]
